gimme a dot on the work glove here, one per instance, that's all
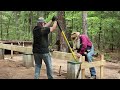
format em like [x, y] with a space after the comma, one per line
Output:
[54, 18]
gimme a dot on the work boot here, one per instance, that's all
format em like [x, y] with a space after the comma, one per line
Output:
[93, 77]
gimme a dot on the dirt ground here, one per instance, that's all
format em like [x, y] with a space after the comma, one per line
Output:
[14, 69]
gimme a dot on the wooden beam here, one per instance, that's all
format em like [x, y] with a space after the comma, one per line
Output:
[83, 69]
[11, 51]
[92, 64]
[14, 41]
[27, 50]
[101, 71]
[1, 53]
[62, 55]
[101, 67]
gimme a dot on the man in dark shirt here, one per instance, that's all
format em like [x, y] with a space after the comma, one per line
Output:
[40, 46]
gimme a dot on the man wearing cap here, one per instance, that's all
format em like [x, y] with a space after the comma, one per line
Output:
[40, 46]
[84, 47]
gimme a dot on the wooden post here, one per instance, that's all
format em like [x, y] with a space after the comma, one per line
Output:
[83, 70]
[1, 53]
[23, 44]
[101, 67]
[28, 60]
[11, 51]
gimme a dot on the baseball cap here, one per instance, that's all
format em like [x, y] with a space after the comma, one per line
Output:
[41, 19]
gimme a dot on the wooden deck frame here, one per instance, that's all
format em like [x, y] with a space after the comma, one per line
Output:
[59, 55]
[99, 63]
[96, 63]
[27, 50]
[27, 53]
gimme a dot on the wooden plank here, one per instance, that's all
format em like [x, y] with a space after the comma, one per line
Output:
[83, 69]
[62, 55]
[18, 48]
[56, 54]
[11, 51]
[101, 67]
[27, 50]
[8, 47]
[14, 41]
[83, 73]
[101, 71]
[1, 45]
[92, 64]
[1, 53]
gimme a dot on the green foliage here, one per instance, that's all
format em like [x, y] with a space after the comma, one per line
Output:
[107, 56]
[51, 14]
[18, 25]
[74, 20]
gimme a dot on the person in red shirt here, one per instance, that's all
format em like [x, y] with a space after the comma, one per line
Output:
[84, 47]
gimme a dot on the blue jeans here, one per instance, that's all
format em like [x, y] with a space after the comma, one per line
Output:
[38, 63]
[90, 58]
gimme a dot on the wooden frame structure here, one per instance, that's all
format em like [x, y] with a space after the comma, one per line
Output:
[84, 65]
[27, 50]
[28, 58]
[27, 53]
[96, 63]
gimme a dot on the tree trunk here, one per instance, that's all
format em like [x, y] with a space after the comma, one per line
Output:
[16, 31]
[100, 31]
[104, 40]
[31, 21]
[99, 35]
[61, 19]
[91, 32]
[1, 25]
[112, 45]
[72, 20]
[8, 28]
[84, 22]
[37, 14]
